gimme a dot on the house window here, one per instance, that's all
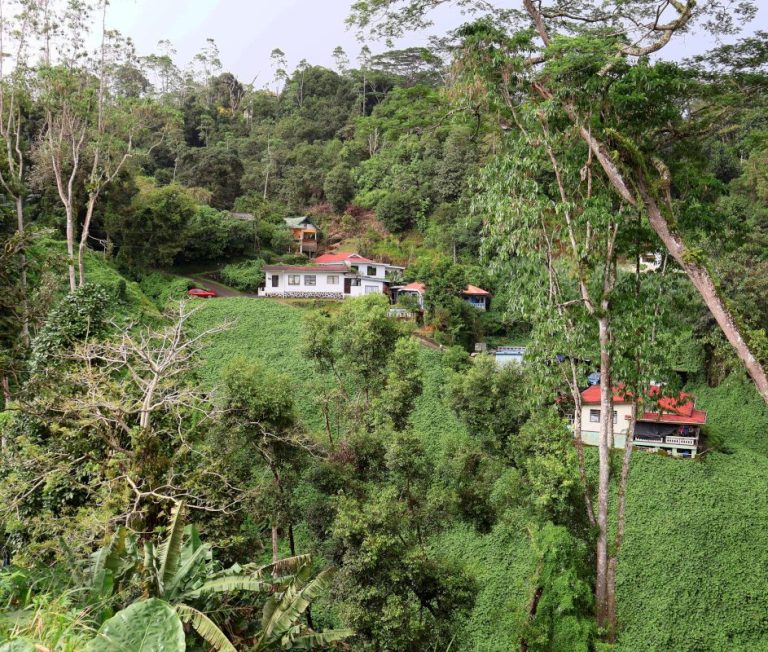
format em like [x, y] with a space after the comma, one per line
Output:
[594, 416]
[371, 270]
[333, 280]
[294, 279]
[353, 269]
[615, 416]
[371, 289]
[275, 280]
[355, 282]
[310, 279]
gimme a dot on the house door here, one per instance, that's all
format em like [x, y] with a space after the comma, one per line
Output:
[275, 280]
[347, 285]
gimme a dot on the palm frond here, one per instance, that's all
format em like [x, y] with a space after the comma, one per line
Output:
[281, 566]
[169, 552]
[314, 640]
[184, 569]
[105, 564]
[229, 583]
[295, 601]
[205, 627]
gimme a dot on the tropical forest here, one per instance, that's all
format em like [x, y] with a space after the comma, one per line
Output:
[455, 342]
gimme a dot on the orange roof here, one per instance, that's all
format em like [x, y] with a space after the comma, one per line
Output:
[343, 257]
[473, 290]
[414, 287]
[674, 409]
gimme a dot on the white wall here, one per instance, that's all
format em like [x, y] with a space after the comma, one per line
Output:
[623, 412]
[360, 290]
[321, 283]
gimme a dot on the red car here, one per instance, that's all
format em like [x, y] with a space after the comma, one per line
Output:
[203, 294]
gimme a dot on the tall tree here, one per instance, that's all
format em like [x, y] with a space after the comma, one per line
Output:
[566, 56]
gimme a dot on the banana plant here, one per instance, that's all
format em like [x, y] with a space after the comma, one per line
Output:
[180, 572]
[282, 627]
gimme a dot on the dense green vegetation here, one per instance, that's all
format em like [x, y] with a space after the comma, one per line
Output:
[255, 474]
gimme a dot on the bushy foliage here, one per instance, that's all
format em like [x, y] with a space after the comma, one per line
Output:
[339, 187]
[78, 315]
[246, 276]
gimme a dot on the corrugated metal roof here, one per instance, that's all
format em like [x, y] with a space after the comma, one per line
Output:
[305, 268]
[295, 222]
[473, 290]
[674, 409]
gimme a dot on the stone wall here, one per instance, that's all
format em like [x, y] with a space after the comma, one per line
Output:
[302, 295]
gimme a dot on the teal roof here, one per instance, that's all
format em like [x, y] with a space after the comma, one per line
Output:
[298, 221]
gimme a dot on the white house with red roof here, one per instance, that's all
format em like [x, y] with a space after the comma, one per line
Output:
[671, 424]
[330, 276]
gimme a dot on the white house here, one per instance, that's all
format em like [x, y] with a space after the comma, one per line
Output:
[671, 424]
[331, 276]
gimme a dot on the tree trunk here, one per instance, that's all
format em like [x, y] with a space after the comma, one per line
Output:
[6, 400]
[291, 540]
[604, 452]
[275, 544]
[703, 282]
[620, 521]
[580, 452]
[71, 248]
[84, 239]
[22, 273]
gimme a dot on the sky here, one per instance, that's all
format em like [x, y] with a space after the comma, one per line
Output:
[246, 31]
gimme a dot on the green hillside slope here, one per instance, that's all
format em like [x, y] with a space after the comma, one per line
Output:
[693, 573]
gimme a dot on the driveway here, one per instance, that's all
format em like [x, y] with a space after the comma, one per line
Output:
[220, 289]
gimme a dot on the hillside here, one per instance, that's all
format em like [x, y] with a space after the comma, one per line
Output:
[701, 524]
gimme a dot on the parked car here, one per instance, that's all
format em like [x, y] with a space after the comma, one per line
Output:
[201, 293]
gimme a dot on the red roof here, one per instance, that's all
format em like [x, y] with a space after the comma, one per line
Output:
[306, 268]
[473, 290]
[343, 257]
[414, 287]
[674, 409]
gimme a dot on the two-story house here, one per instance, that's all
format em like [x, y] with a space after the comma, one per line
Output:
[671, 424]
[305, 234]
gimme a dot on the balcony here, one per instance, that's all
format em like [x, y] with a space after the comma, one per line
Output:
[669, 441]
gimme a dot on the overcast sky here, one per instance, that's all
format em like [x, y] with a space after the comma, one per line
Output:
[246, 31]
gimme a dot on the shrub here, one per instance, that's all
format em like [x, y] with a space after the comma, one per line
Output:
[79, 314]
[397, 211]
[247, 276]
[339, 187]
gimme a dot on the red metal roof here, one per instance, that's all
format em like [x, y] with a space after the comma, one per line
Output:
[414, 287]
[305, 268]
[674, 409]
[473, 290]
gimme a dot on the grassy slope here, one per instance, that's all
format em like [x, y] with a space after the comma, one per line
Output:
[501, 562]
[133, 304]
[693, 573]
[694, 568]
